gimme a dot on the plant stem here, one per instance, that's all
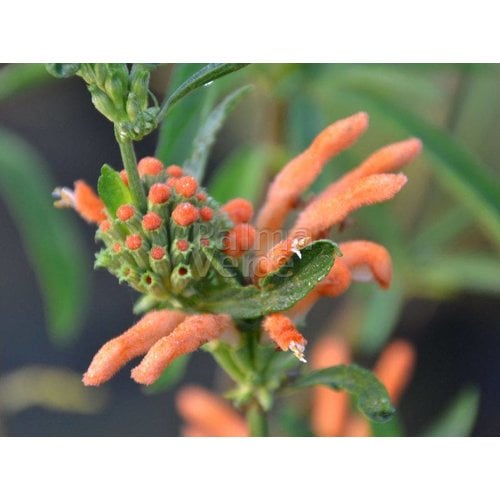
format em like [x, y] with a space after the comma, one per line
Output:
[256, 419]
[134, 182]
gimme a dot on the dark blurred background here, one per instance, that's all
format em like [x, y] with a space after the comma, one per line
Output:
[456, 334]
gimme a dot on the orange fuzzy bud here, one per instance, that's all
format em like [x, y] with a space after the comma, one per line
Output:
[239, 210]
[88, 204]
[186, 186]
[151, 221]
[133, 242]
[105, 226]
[201, 197]
[157, 253]
[300, 173]
[175, 171]
[323, 213]
[357, 426]
[185, 214]
[195, 331]
[125, 212]
[387, 159]
[282, 331]
[134, 342]
[366, 261]
[395, 367]
[337, 281]
[171, 182]
[117, 247]
[149, 166]
[208, 414]
[206, 214]
[329, 408]
[278, 255]
[183, 245]
[124, 177]
[159, 193]
[239, 240]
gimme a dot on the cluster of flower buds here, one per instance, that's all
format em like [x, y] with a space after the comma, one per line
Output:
[168, 250]
[122, 96]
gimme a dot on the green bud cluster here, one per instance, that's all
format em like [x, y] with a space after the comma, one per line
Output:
[170, 259]
[122, 96]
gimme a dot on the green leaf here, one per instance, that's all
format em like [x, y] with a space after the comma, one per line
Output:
[451, 273]
[207, 133]
[242, 175]
[112, 190]
[177, 133]
[372, 398]
[63, 70]
[381, 314]
[281, 289]
[457, 168]
[51, 241]
[170, 376]
[459, 418]
[207, 74]
[392, 428]
[15, 78]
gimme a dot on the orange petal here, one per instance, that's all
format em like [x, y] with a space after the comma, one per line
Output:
[239, 210]
[366, 261]
[239, 240]
[323, 213]
[300, 172]
[282, 331]
[303, 306]
[389, 158]
[88, 204]
[395, 367]
[193, 332]
[209, 415]
[134, 342]
[329, 408]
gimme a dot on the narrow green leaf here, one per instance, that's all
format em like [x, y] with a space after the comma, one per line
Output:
[205, 138]
[459, 418]
[281, 289]
[177, 133]
[456, 167]
[52, 243]
[242, 175]
[112, 190]
[451, 273]
[170, 376]
[381, 313]
[15, 78]
[372, 398]
[207, 74]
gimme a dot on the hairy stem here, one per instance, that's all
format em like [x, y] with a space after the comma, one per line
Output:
[134, 182]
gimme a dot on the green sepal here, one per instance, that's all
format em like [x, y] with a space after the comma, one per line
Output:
[372, 398]
[63, 70]
[112, 190]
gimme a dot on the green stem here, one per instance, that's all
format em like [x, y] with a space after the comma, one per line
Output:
[224, 360]
[257, 422]
[134, 182]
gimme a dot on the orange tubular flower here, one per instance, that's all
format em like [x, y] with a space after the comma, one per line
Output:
[395, 367]
[300, 173]
[282, 330]
[323, 213]
[330, 408]
[366, 261]
[208, 415]
[134, 342]
[195, 331]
